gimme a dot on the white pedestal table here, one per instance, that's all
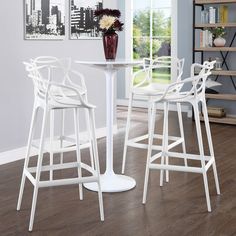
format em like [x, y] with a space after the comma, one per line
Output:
[111, 182]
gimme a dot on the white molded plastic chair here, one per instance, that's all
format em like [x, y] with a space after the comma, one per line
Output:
[194, 96]
[48, 101]
[147, 90]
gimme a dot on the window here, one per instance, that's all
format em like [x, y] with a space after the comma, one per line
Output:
[153, 32]
[151, 28]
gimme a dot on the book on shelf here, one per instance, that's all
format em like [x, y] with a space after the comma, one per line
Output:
[218, 15]
[214, 15]
[206, 38]
[223, 14]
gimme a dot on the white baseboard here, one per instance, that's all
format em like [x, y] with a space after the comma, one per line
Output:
[14, 155]
[143, 104]
[19, 153]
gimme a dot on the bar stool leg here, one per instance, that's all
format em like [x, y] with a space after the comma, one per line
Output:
[95, 150]
[89, 139]
[31, 134]
[34, 201]
[88, 125]
[127, 132]
[150, 107]
[208, 131]
[167, 143]
[149, 154]
[62, 133]
[78, 155]
[182, 131]
[38, 169]
[164, 141]
[201, 150]
[52, 122]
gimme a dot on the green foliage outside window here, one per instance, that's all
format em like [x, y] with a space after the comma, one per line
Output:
[161, 33]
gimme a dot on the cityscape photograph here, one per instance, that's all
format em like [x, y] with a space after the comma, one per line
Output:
[83, 24]
[44, 19]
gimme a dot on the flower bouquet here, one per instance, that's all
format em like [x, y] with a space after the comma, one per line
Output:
[109, 23]
[218, 33]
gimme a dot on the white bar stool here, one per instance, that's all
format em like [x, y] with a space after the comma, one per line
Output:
[47, 100]
[194, 96]
[147, 90]
[66, 72]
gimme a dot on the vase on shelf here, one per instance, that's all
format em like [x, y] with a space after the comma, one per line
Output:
[110, 43]
[219, 42]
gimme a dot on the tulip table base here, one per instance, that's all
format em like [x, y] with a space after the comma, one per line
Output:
[112, 183]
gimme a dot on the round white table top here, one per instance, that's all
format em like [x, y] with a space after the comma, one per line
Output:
[115, 63]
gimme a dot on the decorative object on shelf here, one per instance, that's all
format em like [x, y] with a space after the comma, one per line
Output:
[211, 83]
[218, 33]
[109, 23]
[205, 16]
[218, 112]
[219, 42]
[44, 20]
[218, 65]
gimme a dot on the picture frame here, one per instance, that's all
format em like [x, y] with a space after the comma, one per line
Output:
[44, 19]
[83, 24]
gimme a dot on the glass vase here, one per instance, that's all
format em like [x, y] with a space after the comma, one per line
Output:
[110, 43]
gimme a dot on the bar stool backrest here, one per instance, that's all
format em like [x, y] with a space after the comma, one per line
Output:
[204, 69]
[40, 83]
[61, 66]
[45, 89]
[197, 82]
[62, 71]
[170, 63]
[164, 64]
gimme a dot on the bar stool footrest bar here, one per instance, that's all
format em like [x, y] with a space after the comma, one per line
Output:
[62, 167]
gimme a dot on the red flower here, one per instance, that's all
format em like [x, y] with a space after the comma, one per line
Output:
[118, 25]
[108, 12]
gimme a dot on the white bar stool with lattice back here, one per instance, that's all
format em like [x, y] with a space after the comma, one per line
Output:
[47, 99]
[146, 90]
[195, 96]
[66, 76]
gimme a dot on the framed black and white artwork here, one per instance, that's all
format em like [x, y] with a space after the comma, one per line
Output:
[44, 19]
[83, 24]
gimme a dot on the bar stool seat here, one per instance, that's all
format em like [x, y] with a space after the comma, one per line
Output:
[151, 89]
[58, 91]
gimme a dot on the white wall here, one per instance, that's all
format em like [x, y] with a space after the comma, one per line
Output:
[16, 91]
[184, 29]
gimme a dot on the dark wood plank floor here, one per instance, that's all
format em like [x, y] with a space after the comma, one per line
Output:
[178, 208]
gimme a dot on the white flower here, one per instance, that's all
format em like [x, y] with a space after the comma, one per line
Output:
[106, 22]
